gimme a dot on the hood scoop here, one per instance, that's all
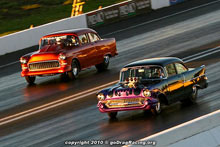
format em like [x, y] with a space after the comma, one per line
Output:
[123, 92]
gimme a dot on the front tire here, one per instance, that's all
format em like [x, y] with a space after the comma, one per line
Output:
[73, 74]
[156, 109]
[30, 79]
[104, 65]
[112, 115]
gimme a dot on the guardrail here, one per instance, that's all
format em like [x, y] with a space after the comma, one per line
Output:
[28, 38]
[117, 12]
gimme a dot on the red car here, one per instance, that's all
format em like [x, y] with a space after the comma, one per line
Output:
[67, 53]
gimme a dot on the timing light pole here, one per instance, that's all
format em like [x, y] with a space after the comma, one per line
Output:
[77, 7]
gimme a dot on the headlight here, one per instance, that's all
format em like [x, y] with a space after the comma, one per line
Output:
[23, 61]
[147, 93]
[62, 57]
[100, 96]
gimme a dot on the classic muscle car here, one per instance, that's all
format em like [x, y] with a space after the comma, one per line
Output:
[148, 83]
[68, 52]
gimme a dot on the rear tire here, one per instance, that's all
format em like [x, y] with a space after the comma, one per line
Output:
[30, 79]
[104, 65]
[157, 109]
[192, 99]
[112, 115]
[73, 74]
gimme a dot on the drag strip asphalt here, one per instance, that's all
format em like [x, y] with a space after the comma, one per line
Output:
[86, 93]
[66, 110]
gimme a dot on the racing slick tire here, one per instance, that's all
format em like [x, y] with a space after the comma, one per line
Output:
[112, 115]
[73, 74]
[104, 65]
[157, 109]
[30, 79]
[192, 99]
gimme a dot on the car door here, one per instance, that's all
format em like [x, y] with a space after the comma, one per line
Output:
[87, 51]
[98, 45]
[181, 69]
[175, 83]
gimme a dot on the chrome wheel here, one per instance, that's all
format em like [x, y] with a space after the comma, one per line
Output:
[104, 65]
[106, 59]
[157, 109]
[73, 74]
[75, 71]
[193, 97]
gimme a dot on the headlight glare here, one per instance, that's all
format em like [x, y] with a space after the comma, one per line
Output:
[100, 96]
[23, 61]
[62, 57]
[147, 93]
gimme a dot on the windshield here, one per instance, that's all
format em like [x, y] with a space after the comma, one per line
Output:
[142, 73]
[67, 40]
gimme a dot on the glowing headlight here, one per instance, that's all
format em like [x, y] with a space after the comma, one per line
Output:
[62, 57]
[147, 93]
[23, 61]
[100, 96]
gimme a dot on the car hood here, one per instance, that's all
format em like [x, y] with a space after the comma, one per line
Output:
[120, 90]
[48, 52]
[55, 48]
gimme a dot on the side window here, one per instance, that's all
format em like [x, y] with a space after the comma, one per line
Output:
[93, 37]
[171, 70]
[180, 68]
[83, 39]
[71, 41]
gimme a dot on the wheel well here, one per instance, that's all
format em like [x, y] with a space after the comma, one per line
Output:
[108, 55]
[77, 63]
[163, 98]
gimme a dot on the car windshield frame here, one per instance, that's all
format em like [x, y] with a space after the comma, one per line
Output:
[56, 39]
[122, 79]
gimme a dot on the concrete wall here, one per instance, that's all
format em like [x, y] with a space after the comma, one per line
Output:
[118, 12]
[202, 131]
[157, 4]
[30, 37]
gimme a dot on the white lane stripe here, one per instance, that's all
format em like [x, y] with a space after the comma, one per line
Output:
[68, 99]
[200, 53]
[53, 104]
[154, 20]
[195, 58]
[8, 64]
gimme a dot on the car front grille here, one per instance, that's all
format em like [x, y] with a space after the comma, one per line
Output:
[43, 65]
[131, 102]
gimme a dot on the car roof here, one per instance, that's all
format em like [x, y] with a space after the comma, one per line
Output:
[161, 61]
[77, 32]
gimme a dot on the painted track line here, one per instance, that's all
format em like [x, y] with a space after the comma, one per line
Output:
[203, 54]
[2, 66]
[53, 104]
[83, 94]
[200, 53]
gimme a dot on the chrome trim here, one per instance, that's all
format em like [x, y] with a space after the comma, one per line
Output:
[44, 68]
